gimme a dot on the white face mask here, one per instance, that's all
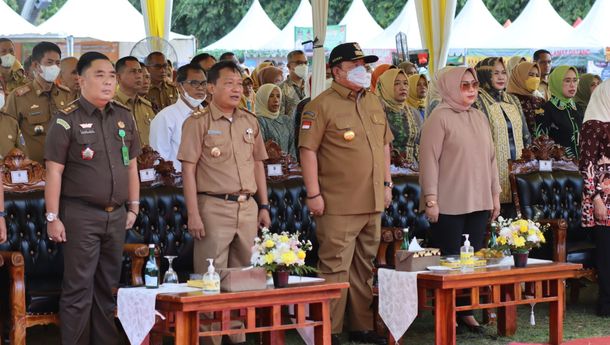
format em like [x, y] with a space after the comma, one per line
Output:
[359, 76]
[1, 99]
[301, 71]
[7, 60]
[193, 102]
[49, 73]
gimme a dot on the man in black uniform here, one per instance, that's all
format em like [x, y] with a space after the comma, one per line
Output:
[90, 155]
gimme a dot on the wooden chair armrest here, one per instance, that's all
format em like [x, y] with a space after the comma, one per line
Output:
[14, 263]
[559, 227]
[138, 252]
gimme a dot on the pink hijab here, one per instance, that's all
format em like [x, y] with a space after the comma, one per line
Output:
[449, 87]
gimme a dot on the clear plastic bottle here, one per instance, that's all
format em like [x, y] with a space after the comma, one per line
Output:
[467, 254]
[405, 239]
[211, 280]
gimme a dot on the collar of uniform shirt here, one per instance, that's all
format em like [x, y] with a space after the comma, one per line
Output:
[90, 108]
[123, 98]
[217, 113]
[345, 92]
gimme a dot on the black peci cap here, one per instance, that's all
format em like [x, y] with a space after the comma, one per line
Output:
[349, 52]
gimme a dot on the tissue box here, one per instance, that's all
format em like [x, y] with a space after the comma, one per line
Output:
[417, 261]
[242, 279]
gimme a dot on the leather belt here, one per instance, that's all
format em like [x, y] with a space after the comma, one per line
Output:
[109, 208]
[229, 197]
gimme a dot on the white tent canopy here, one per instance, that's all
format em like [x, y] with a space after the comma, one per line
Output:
[594, 30]
[538, 26]
[474, 26]
[115, 21]
[251, 33]
[359, 24]
[405, 22]
[302, 17]
[12, 24]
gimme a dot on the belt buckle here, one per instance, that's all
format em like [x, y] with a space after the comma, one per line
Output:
[242, 198]
[109, 209]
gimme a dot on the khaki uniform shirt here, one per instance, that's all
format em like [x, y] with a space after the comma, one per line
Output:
[292, 94]
[163, 95]
[223, 150]
[81, 128]
[350, 172]
[32, 108]
[544, 89]
[16, 77]
[10, 135]
[142, 110]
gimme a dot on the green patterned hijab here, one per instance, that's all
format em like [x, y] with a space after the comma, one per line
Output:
[556, 85]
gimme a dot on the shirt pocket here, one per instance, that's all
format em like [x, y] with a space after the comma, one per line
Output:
[216, 148]
[379, 123]
[249, 146]
[37, 121]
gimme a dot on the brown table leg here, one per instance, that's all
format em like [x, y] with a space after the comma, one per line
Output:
[556, 311]
[321, 312]
[187, 328]
[272, 316]
[444, 317]
[507, 316]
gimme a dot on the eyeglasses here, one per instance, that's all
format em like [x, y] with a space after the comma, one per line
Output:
[466, 86]
[570, 81]
[196, 83]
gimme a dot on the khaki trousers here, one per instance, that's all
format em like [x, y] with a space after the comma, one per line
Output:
[230, 229]
[92, 266]
[348, 245]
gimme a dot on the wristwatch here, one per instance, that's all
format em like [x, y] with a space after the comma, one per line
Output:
[2, 214]
[388, 184]
[51, 217]
[430, 203]
[264, 207]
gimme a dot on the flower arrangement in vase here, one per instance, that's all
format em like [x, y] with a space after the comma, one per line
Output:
[519, 237]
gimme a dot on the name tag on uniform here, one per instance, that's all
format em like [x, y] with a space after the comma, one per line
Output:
[35, 113]
[19, 176]
[214, 132]
[274, 170]
[147, 175]
[545, 165]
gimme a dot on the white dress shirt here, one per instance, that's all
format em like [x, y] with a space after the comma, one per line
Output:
[166, 131]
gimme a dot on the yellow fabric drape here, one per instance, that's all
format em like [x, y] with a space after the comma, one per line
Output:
[157, 17]
[435, 21]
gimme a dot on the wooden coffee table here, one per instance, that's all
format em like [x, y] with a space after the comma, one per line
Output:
[504, 289]
[261, 311]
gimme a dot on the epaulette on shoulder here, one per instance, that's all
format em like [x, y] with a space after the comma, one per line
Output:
[63, 88]
[200, 112]
[22, 90]
[145, 101]
[247, 111]
[114, 101]
[70, 108]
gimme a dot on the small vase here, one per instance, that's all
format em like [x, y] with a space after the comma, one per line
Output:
[280, 278]
[520, 258]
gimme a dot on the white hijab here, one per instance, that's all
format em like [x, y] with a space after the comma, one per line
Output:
[599, 104]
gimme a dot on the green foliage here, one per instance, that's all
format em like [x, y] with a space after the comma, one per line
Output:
[51, 10]
[280, 12]
[384, 11]
[12, 4]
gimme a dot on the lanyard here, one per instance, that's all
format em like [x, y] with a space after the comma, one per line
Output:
[124, 150]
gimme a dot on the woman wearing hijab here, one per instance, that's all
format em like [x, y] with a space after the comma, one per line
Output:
[587, 83]
[508, 128]
[248, 98]
[273, 126]
[270, 75]
[254, 75]
[405, 122]
[523, 84]
[513, 62]
[434, 97]
[594, 166]
[562, 116]
[458, 173]
[418, 91]
[379, 70]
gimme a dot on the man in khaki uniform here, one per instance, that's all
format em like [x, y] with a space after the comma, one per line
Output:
[161, 93]
[33, 104]
[143, 91]
[344, 143]
[293, 88]
[68, 76]
[130, 78]
[545, 63]
[11, 71]
[10, 135]
[222, 153]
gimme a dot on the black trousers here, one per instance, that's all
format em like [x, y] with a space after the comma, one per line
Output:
[447, 235]
[602, 240]
[92, 266]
